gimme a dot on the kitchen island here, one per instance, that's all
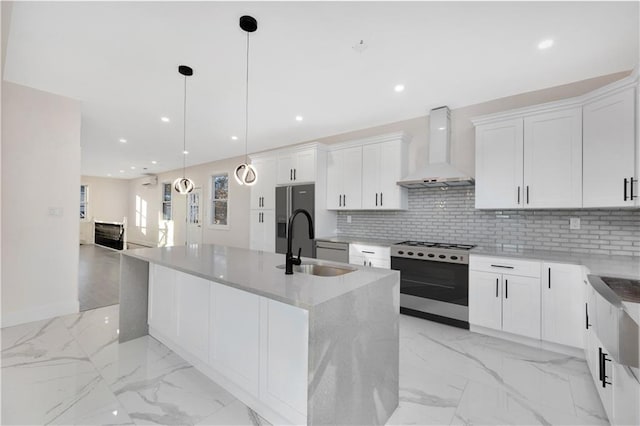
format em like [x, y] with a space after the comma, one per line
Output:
[298, 349]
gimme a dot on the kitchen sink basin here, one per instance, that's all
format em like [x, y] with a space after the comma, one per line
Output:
[320, 270]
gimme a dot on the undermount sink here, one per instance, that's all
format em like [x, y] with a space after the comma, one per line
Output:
[319, 269]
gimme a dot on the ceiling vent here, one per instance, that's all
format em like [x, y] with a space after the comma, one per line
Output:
[150, 180]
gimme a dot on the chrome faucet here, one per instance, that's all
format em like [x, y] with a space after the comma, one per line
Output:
[290, 258]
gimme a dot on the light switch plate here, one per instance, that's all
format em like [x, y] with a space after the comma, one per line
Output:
[574, 223]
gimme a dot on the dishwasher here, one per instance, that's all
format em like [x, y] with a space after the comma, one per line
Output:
[335, 252]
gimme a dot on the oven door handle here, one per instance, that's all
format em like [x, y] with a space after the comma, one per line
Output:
[427, 284]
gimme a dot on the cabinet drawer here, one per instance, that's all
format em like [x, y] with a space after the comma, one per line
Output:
[525, 268]
[372, 252]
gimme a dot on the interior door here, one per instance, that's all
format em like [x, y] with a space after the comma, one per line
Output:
[194, 217]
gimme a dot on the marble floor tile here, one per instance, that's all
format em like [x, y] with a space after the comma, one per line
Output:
[72, 370]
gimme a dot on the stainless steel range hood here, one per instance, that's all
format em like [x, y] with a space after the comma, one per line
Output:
[439, 172]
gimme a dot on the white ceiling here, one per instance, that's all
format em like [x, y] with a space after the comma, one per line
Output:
[120, 59]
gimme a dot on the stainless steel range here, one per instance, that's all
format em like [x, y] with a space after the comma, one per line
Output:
[434, 280]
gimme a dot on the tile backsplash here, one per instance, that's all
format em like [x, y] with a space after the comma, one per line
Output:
[449, 216]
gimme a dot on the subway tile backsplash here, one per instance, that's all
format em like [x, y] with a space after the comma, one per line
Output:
[449, 216]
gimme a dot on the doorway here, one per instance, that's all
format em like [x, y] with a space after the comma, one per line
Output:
[194, 216]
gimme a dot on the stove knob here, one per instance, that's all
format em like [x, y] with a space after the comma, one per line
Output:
[400, 252]
[431, 255]
[410, 253]
[454, 258]
[420, 254]
[442, 256]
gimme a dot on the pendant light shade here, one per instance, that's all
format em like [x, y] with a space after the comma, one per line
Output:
[245, 173]
[183, 184]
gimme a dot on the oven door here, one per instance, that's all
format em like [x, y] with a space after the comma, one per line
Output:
[446, 282]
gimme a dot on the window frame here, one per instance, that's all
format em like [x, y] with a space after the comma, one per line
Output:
[210, 208]
[170, 202]
[86, 202]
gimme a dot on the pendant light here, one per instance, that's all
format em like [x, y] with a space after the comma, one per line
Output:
[184, 185]
[245, 173]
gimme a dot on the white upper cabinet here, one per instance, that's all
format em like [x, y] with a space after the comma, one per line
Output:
[344, 179]
[499, 154]
[383, 165]
[610, 150]
[297, 166]
[263, 193]
[553, 159]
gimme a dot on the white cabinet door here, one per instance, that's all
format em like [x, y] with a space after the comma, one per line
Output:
[553, 159]
[162, 310]
[284, 364]
[286, 164]
[499, 166]
[371, 176]
[235, 336]
[485, 299]
[605, 392]
[380, 263]
[563, 304]
[626, 396]
[269, 225]
[305, 166]
[352, 178]
[263, 193]
[521, 305]
[609, 150]
[192, 311]
[256, 230]
[392, 195]
[335, 179]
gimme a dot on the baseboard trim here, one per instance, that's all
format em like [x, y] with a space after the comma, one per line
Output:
[42, 312]
[528, 341]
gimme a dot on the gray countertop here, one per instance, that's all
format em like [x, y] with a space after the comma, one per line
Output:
[608, 266]
[358, 240]
[256, 272]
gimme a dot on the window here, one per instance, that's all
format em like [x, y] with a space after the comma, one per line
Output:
[219, 199]
[84, 204]
[166, 201]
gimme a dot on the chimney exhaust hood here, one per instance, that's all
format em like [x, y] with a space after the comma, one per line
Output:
[439, 172]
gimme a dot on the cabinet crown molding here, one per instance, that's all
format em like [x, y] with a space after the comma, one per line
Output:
[576, 101]
[387, 137]
[287, 149]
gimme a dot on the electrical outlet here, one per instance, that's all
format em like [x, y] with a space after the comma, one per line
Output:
[574, 223]
[348, 218]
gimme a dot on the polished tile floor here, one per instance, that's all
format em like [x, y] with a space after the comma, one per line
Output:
[99, 277]
[71, 370]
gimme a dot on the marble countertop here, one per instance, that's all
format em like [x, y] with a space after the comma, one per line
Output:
[256, 272]
[602, 265]
[358, 240]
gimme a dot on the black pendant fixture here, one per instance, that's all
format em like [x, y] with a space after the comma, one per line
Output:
[184, 185]
[245, 173]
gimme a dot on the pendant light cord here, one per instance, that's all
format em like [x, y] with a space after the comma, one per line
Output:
[246, 110]
[184, 131]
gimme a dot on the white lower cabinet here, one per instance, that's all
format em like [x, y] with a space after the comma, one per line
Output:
[485, 299]
[626, 396]
[562, 304]
[234, 348]
[262, 230]
[370, 255]
[260, 346]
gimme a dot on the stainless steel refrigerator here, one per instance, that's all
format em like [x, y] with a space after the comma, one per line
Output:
[288, 200]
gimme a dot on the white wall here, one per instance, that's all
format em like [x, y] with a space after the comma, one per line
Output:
[107, 201]
[146, 203]
[40, 195]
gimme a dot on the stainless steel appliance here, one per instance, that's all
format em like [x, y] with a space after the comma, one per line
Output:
[335, 252]
[288, 200]
[434, 280]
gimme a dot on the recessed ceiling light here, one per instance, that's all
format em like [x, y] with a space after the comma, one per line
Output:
[185, 152]
[133, 167]
[234, 138]
[299, 118]
[545, 44]
[399, 87]
[440, 128]
[154, 162]
[121, 171]
[122, 140]
[165, 119]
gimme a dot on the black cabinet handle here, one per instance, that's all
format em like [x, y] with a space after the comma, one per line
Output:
[339, 200]
[625, 190]
[600, 365]
[376, 199]
[603, 375]
[502, 266]
[586, 316]
[344, 200]
[497, 280]
[631, 196]
[527, 194]
[368, 252]
[518, 195]
[549, 277]
[506, 289]
[381, 199]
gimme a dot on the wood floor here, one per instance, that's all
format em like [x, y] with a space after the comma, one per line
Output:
[99, 278]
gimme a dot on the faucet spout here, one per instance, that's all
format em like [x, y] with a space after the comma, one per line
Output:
[290, 258]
